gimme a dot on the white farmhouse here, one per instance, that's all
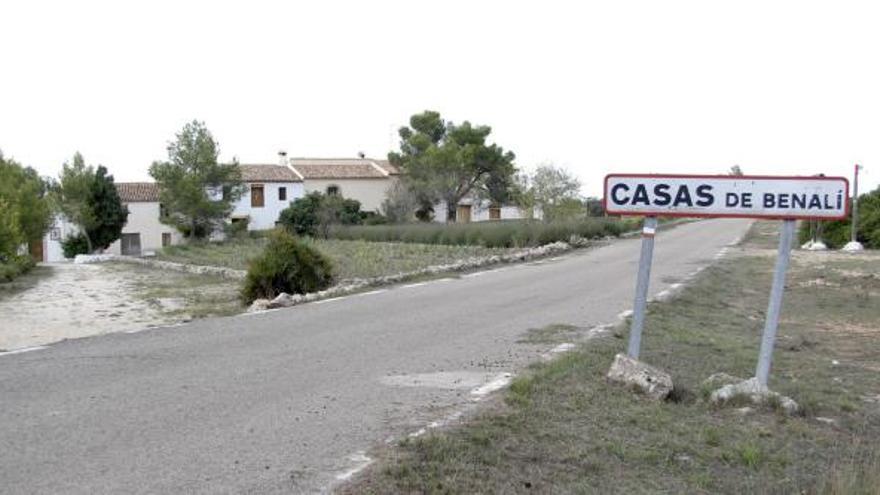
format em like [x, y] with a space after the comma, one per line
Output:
[270, 189]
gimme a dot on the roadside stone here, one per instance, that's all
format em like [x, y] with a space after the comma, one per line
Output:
[259, 305]
[654, 382]
[827, 421]
[757, 393]
[718, 380]
[280, 301]
[84, 259]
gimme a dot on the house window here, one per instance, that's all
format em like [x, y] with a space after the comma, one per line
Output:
[333, 190]
[163, 211]
[282, 194]
[494, 213]
[166, 239]
[257, 199]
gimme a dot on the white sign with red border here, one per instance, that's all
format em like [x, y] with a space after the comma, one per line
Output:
[745, 196]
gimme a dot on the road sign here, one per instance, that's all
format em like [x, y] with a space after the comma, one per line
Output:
[741, 196]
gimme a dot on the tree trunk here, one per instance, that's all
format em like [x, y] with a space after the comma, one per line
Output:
[451, 207]
[88, 241]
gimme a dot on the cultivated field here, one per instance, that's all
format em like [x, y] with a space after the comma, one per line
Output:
[351, 259]
[562, 428]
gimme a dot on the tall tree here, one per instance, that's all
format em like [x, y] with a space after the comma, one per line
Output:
[109, 213]
[24, 210]
[72, 197]
[557, 192]
[88, 198]
[197, 191]
[445, 161]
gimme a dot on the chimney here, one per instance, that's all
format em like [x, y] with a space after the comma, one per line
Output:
[282, 158]
[361, 155]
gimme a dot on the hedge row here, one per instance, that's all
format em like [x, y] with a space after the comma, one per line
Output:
[497, 234]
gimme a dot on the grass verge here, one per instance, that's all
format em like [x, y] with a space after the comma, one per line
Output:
[182, 296]
[562, 428]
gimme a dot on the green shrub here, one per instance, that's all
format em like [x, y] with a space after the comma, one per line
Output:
[12, 267]
[73, 245]
[313, 214]
[497, 234]
[286, 265]
[237, 229]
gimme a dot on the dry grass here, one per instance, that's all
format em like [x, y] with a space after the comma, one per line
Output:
[562, 428]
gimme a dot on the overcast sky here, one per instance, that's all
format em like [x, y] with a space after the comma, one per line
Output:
[597, 87]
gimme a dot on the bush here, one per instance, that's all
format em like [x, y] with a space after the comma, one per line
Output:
[286, 265]
[499, 234]
[313, 214]
[73, 245]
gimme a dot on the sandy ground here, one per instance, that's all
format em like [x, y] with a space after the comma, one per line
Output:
[73, 301]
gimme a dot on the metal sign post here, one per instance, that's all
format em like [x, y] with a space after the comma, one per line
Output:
[644, 277]
[718, 196]
[855, 206]
[765, 356]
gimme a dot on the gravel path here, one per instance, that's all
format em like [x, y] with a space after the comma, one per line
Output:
[72, 301]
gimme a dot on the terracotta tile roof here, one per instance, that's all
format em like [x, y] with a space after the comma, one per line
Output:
[138, 192]
[342, 168]
[392, 170]
[268, 173]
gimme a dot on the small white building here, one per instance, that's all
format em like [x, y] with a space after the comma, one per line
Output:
[143, 233]
[270, 189]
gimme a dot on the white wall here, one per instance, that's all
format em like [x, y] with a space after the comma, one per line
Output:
[370, 192]
[59, 231]
[143, 219]
[265, 217]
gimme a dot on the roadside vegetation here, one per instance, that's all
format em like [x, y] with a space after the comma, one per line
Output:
[562, 428]
[498, 234]
[25, 215]
[837, 233]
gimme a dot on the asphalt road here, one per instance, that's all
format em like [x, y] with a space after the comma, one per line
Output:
[284, 401]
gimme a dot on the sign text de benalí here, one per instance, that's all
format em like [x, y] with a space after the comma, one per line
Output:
[727, 196]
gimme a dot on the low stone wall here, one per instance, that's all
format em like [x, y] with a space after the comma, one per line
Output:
[349, 286]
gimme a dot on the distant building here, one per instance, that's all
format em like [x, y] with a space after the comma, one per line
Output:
[364, 179]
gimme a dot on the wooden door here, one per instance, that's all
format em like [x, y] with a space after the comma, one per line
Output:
[463, 215]
[166, 239]
[257, 197]
[36, 250]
